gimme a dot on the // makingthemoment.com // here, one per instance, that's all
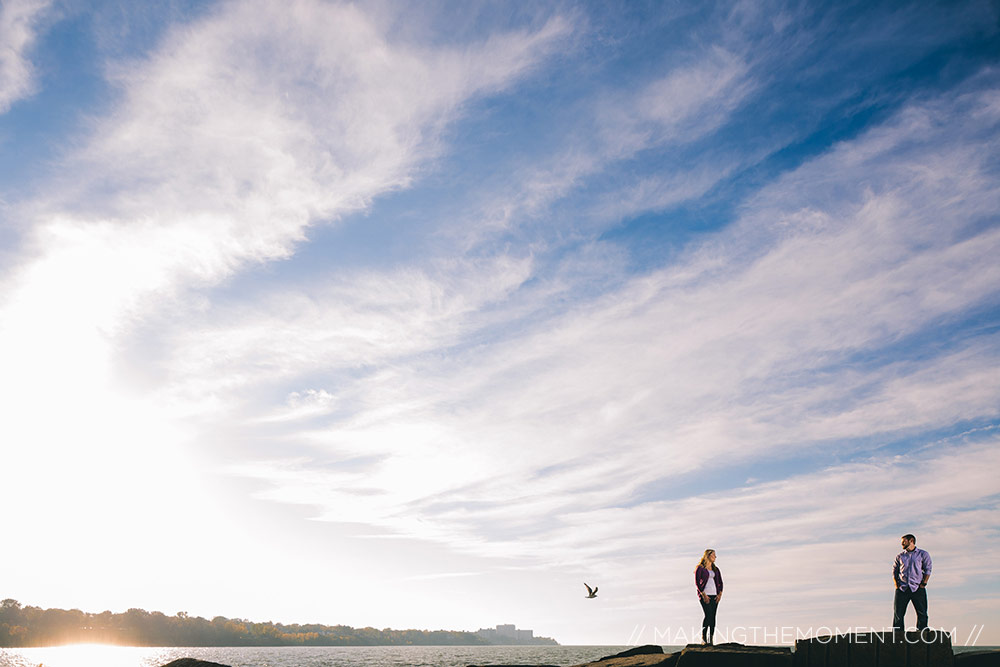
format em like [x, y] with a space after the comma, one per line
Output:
[761, 635]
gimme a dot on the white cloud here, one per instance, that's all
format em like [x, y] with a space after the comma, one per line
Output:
[484, 442]
[239, 132]
[368, 320]
[687, 103]
[18, 23]
[249, 126]
[690, 101]
[554, 445]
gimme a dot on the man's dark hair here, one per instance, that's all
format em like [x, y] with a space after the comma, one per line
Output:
[909, 537]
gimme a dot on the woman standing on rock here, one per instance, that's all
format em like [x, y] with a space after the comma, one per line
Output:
[708, 579]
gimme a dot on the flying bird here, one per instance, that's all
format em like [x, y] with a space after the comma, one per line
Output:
[591, 592]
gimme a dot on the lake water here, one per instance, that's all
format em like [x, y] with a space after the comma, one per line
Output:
[332, 656]
[306, 656]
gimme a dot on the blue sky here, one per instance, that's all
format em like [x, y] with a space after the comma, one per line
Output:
[421, 315]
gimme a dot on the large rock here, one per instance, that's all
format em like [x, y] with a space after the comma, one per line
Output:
[640, 656]
[648, 649]
[723, 655]
[192, 662]
[734, 655]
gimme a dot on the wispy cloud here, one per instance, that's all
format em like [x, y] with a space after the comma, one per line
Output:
[687, 103]
[690, 101]
[849, 254]
[239, 132]
[18, 31]
[242, 131]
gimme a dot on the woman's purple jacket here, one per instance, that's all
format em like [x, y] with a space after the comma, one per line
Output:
[701, 578]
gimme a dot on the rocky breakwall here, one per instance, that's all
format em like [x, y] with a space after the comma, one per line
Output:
[723, 655]
[876, 649]
[696, 655]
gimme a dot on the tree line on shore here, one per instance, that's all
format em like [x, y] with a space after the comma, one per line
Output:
[25, 626]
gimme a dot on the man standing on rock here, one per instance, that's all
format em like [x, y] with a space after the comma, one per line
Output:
[910, 571]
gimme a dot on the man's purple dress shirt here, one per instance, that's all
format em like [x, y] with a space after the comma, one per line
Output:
[910, 567]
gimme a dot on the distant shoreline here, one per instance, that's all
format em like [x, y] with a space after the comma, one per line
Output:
[33, 627]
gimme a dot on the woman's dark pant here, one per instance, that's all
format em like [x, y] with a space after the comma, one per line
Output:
[708, 625]
[904, 596]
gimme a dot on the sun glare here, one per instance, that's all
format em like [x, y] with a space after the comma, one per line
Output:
[82, 655]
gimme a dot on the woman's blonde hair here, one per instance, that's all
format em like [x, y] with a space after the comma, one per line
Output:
[704, 560]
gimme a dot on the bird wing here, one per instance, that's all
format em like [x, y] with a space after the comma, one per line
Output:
[589, 590]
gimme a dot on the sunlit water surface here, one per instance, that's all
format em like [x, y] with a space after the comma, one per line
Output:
[325, 656]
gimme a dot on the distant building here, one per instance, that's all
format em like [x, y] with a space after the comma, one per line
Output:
[507, 631]
[509, 634]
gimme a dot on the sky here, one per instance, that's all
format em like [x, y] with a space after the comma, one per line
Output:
[421, 315]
